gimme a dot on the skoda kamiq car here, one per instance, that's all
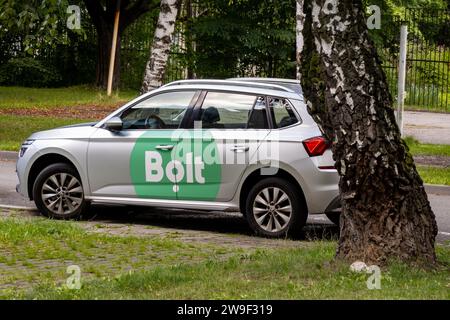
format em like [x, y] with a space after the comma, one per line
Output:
[245, 145]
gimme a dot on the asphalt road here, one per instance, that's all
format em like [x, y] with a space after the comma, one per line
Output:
[217, 222]
[427, 127]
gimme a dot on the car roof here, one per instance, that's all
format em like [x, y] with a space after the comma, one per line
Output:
[234, 85]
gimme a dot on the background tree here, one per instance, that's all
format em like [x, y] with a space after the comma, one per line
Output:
[245, 37]
[102, 16]
[162, 41]
[385, 210]
[36, 47]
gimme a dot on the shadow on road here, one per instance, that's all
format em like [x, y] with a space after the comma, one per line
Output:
[221, 222]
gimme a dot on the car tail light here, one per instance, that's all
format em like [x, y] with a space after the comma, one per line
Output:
[316, 146]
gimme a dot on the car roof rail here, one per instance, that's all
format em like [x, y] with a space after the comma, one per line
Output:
[292, 84]
[266, 80]
[247, 84]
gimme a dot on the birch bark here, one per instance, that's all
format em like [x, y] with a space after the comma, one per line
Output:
[162, 40]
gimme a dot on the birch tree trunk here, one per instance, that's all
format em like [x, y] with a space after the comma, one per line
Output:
[385, 211]
[162, 40]
[299, 23]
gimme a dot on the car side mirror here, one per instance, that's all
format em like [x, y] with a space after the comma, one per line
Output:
[114, 124]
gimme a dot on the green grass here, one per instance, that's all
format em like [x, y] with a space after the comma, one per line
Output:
[435, 175]
[15, 129]
[20, 97]
[418, 148]
[37, 251]
[267, 274]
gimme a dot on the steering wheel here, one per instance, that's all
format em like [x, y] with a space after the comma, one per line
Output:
[158, 123]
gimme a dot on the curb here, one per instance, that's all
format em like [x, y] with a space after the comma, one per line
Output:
[437, 189]
[2, 206]
[9, 155]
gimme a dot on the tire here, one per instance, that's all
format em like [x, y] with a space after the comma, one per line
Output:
[59, 200]
[259, 211]
[334, 217]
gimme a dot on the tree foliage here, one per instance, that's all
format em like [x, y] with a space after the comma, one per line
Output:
[231, 37]
[38, 24]
[37, 30]
[394, 12]
[234, 37]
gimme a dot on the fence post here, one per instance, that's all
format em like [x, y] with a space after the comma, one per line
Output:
[402, 76]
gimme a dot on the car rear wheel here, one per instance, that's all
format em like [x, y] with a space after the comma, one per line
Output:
[274, 208]
[58, 192]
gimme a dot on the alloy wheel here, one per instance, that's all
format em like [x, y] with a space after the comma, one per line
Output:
[272, 209]
[62, 193]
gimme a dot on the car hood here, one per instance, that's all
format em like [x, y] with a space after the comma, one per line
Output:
[76, 131]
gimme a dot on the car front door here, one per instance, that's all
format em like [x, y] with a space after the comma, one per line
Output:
[136, 161]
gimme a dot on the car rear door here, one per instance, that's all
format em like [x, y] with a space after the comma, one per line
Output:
[225, 134]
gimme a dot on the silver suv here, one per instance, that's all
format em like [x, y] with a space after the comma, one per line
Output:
[244, 145]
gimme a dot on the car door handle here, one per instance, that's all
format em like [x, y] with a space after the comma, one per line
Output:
[239, 149]
[165, 147]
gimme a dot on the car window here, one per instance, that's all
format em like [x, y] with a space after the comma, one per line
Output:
[282, 113]
[233, 111]
[163, 111]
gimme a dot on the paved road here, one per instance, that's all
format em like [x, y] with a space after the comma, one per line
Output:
[218, 222]
[428, 127]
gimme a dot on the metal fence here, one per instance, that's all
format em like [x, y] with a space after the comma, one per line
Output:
[428, 59]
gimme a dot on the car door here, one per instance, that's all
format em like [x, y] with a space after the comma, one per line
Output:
[228, 128]
[137, 160]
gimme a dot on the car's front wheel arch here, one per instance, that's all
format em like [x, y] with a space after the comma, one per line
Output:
[40, 164]
[58, 192]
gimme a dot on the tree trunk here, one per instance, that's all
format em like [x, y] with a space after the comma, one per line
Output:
[104, 40]
[162, 40]
[385, 211]
[103, 19]
[299, 23]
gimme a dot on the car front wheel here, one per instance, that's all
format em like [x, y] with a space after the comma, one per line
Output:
[58, 192]
[274, 208]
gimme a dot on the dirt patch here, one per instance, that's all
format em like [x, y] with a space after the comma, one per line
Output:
[72, 112]
[436, 161]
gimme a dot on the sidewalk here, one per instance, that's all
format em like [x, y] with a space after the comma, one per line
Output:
[427, 127]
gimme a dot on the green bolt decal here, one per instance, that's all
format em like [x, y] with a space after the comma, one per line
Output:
[189, 171]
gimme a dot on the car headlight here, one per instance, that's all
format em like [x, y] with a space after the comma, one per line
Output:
[25, 146]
